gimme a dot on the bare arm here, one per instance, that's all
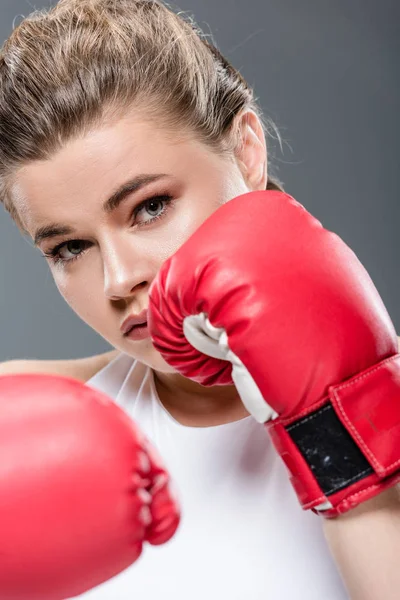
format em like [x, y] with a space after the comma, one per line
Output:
[365, 543]
[80, 368]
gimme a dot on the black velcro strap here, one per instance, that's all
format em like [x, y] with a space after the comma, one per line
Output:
[331, 453]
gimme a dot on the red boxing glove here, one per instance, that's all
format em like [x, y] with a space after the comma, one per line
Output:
[80, 489]
[263, 295]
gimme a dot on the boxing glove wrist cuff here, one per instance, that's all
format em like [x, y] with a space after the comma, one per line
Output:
[347, 449]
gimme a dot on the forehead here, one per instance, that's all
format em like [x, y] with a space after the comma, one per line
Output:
[102, 149]
[90, 166]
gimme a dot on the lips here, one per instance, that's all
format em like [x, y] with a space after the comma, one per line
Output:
[134, 321]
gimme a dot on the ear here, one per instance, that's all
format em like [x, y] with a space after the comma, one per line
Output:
[251, 151]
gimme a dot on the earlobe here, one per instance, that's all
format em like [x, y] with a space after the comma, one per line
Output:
[251, 153]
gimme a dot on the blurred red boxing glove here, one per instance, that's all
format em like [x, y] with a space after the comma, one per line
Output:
[263, 295]
[81, 489]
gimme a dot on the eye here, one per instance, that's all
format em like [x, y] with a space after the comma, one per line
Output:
[67, 251]
[145, 213]
[152, 209]
[73, 247]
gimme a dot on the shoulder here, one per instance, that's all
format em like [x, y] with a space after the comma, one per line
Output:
[79, 368]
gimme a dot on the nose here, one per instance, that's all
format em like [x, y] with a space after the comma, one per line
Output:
[125, 270]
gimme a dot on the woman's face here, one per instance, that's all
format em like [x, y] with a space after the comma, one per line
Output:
[105, 247]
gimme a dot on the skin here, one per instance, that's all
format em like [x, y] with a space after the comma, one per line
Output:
[120, 252]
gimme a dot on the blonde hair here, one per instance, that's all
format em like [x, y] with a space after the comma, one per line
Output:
[65, 69]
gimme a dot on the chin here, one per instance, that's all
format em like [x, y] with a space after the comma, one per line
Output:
[157, 363]
[148, 355]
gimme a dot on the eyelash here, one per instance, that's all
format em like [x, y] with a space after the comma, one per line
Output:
[54, 254]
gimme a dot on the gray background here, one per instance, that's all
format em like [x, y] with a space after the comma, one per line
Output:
[327, 72]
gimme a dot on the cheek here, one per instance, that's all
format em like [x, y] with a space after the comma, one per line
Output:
[206, 196]
[81, 296]
[186, 219]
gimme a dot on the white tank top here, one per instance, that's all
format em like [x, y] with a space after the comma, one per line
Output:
[243, 534]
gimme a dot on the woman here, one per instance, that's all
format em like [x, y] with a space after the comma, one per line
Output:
[121, 131]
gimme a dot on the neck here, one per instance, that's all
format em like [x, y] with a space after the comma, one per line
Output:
[195, 405]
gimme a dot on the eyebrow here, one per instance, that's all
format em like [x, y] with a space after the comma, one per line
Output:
[111, 204]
